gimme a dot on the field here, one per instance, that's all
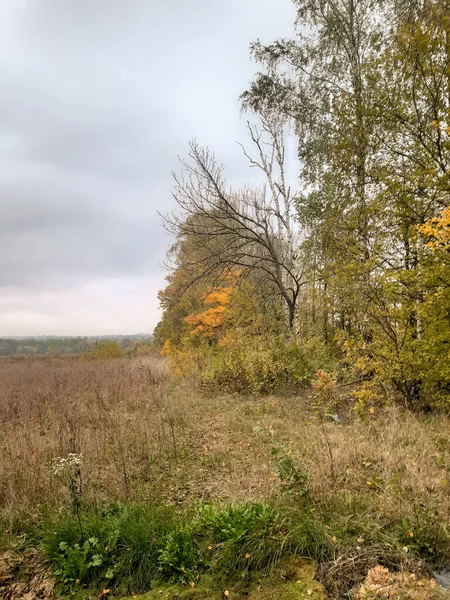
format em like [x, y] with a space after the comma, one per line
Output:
[377, 488]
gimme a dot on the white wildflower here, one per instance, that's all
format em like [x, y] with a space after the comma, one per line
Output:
[64, 464]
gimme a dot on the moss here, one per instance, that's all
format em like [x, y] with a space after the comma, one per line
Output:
[293, 579]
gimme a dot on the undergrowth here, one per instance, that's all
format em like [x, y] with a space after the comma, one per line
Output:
[252, 364]
[132, 547]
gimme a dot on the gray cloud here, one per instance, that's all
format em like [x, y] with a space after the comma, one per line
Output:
[97, 99]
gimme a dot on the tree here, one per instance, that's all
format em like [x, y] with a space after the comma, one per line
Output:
[319, 82]
[107, 349]
[404, 296]
[359, 255]
[252, 229]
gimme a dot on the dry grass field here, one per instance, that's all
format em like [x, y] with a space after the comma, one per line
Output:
[142, 436]
[145, 438]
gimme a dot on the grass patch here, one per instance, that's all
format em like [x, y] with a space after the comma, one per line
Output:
[293, 579]
[118, 548]
[133, 548]
[356, 521]
[255, 536]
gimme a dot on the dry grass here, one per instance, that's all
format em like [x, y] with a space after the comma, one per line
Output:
[380, 584]
[143, 436]
[117, 414]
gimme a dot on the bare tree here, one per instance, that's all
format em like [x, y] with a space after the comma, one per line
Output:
[252, 229]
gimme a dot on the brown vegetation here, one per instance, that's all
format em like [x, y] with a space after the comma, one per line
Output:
[380, 584]
[142, 436]
[117, 414]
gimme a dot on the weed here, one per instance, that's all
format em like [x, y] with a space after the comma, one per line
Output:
[80, 564]
[179, 559]
[68, 469]
[128, 541]
[293, 478]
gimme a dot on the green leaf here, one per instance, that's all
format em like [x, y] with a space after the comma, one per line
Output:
[97, 560]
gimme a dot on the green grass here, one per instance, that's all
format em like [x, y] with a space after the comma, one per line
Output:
[132, 548]
[293, 579]
[123, 553]
[256, 536]
[135, 548]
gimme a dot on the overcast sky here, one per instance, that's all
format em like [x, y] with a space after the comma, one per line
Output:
[97, 100]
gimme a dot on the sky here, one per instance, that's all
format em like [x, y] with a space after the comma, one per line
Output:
[98, 99]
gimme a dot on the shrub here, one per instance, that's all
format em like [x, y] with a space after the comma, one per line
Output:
[247, 364]
[293, 478]
[81, 563]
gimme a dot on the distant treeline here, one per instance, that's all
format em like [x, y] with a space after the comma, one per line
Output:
[73, 345]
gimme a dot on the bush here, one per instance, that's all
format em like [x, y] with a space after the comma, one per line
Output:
[179, 560]
[293, 477]
[247, 364]
[81, 563]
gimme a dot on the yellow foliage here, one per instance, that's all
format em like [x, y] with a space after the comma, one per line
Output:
[228, 339]
[167, 349]
[438, 230]
[107, 349]
[218, 295]
[207, 323]
[324, 385]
